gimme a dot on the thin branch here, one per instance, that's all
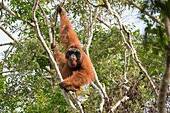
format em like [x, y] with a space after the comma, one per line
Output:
[10, 43]
[49, 53]
[89, 40]
[7, 53]
[48, 70]
[102, 96]
[52, 42]
[118, 103]
[1, 9]
[6, 72]
[53, 27]
[162, 98]
[130, 45]
[74, 96]
[7, 9]
[49, 26]
[125, 65]
[104, 23]
[52, 77]
[145, 12]
[95, 5]
[138, 62]
[46, 78]
[63, 3]
[90, 31]
[42, 40]
[44, 14]
[6, 32]
[53, 24]
[13, 14]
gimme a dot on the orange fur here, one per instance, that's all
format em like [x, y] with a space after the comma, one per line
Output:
[61, 61]
[82, 76]
[67, 34]
[73, 78]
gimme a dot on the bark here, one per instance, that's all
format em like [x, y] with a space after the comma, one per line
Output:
[165, 80]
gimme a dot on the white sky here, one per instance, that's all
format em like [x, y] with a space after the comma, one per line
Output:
[3, 39]
[129, 17]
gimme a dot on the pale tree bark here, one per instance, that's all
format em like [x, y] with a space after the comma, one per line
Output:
[163, 91]
[166, 78]
[13, 14]
[8, 33]
[128, 43]
[162, 96]
[101, 89]
[40, 37]
[48, 52]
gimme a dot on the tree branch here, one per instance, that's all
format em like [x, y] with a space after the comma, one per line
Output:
[164, 87]
[63, 3]
[6, 32]
[125, 65]
[53, 27]
[129, 44]
[10, 43]
[95, 5]
[166, 78]
[145, 12]
[138, 62]
[7, 9]
[42, 40]
[167, 26]
[48, 70]
[6, 72]
[99, 87]
[118, 103]
[52, 41]
[90, 31]
[49, 53]
[13, 14]
[100, 90]
[103, 22]
[78, 103]
[53, 24]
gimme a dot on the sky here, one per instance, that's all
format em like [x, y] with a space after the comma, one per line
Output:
[129, 17]
[3, 39]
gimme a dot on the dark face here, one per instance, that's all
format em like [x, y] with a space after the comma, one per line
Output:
[73, 55]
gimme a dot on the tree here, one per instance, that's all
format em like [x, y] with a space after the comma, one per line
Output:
[129, 65]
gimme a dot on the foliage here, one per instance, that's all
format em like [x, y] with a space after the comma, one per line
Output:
[24, 88]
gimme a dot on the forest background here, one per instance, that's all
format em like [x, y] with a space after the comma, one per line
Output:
[132, 61]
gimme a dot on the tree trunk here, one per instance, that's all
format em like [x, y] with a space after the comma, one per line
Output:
[165, 81]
